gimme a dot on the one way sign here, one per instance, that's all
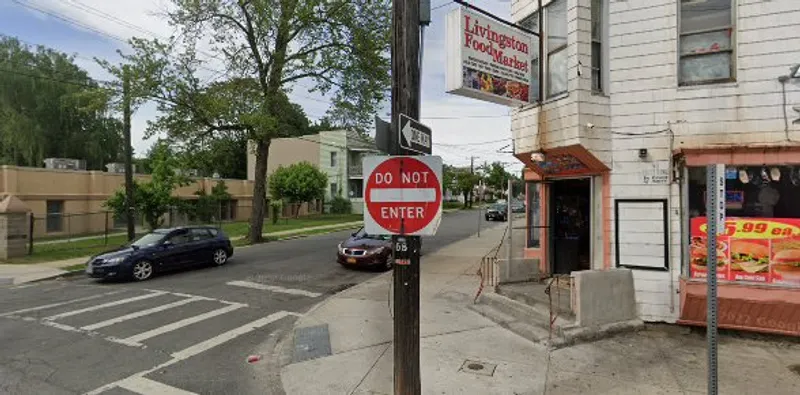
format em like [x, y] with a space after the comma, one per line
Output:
[414, 136]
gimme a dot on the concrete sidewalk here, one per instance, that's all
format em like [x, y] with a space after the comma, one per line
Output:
[465, 353]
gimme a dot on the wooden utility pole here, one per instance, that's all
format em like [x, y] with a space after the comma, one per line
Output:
[126, 131]
[406, 100]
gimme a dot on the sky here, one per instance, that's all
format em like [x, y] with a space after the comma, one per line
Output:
[464, 129]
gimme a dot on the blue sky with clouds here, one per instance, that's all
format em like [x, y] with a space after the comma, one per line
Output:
[127, 18]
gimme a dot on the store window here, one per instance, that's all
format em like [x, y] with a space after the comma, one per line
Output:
[534, 216]
[706, 41]
[761, 240]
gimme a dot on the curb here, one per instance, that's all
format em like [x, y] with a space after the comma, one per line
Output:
[301, 236]
[285, 344]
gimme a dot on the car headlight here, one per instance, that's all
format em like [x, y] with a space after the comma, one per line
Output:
[114, 261]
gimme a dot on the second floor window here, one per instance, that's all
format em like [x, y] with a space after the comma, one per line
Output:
[334, 162]
[556, 24]
[597, 45]
[555, 36]
[706, 42]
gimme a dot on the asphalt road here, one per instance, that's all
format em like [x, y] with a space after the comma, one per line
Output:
[180, 333]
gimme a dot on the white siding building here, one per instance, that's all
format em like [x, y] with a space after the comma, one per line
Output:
[639, 96]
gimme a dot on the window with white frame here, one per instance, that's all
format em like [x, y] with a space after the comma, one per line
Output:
[706, 42]
[532, 23]
[597, 45]
[556, 27]
[555, 34]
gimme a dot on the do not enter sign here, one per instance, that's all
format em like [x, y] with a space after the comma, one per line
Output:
[403, 195]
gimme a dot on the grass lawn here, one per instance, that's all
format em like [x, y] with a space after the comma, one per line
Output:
[88, 247]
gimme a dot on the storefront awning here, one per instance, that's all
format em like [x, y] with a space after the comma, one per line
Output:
[740, 155]
[573, 160]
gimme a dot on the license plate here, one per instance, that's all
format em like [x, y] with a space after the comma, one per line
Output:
[351, 260]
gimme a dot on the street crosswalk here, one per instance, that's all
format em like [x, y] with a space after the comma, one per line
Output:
[159, 319]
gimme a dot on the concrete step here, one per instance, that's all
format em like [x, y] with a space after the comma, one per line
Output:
[528, 331]
[529, 321]
[534, 296]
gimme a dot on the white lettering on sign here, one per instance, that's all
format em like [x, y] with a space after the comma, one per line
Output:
[414, 177]
[383, 178]
[417, 137]
[402, 212]
[719, 171]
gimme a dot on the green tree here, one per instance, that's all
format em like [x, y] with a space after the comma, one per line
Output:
[297, 183]
[449, 178]
[153, 199]
[465, 182]
[268, 47]
[208, 205]
[49, 107]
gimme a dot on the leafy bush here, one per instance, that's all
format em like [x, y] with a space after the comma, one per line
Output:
[340, 205]
[276, 206]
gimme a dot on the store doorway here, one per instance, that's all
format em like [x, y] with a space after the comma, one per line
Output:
[570, 224]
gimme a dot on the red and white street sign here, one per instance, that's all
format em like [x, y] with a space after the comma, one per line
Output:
[403, 195]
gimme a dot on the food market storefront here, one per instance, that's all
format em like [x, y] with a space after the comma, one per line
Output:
[759, 266]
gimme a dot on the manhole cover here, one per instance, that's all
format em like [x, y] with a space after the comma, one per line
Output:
[478, 367]
[795, 369]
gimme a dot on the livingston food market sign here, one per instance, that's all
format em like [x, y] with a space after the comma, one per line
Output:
[486, 59]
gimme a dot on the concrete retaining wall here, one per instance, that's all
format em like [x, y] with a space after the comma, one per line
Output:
[603, 297]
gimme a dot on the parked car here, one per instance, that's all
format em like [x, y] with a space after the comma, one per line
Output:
[162, 250]
[365, 250]
[518, 207]
[497, 212]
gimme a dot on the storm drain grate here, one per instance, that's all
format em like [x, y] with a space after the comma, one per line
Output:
[795, 369]
[311, 342]
[478, 367]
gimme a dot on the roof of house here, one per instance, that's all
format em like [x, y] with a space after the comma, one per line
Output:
[359, 141]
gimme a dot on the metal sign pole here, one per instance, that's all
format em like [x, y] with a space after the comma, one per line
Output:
[715, 219]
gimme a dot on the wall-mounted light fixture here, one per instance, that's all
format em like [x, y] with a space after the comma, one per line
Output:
[642, 153]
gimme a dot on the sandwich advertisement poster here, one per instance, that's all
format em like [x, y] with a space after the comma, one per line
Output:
[761, 250]
[487, 59]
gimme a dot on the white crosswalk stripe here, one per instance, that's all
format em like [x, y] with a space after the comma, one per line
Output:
[139, 314]
[104, 328]
[185, 354]
[59, 304]
[104, 305]
[136, 340]
[274, 288]
[141, 385]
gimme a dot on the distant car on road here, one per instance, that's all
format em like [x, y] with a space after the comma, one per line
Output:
[365, 250]
[518, 207]
[497, 212]
[163, 250]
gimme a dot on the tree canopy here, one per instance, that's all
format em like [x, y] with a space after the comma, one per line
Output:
[267, 48]
[153, 199]
[297, 183]
[49, 107]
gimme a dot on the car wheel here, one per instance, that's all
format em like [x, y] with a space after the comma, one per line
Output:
[220, 257]
[142, 270]
[389, 263]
